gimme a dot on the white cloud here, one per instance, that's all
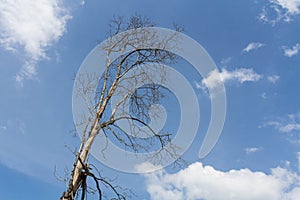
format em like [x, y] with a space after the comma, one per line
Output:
[294, 194]
[286, 124]
[264, 95]
[280, 10]
[298, 154]
[253, 46]
[16, 125]
[252, 150]
[283, 127]
[267, 16]
[215, 78]
[273, 79]
[290, 127]
[289, 52]
[292, 6]
[32, 27]
[204, 182]
[3, 127]
[147, 167]
[226, 61]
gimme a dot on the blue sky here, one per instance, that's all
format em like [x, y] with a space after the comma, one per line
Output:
[255, 45]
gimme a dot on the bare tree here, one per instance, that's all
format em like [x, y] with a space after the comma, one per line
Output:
[115, 81]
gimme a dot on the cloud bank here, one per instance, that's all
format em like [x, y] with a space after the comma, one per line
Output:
[204, 182]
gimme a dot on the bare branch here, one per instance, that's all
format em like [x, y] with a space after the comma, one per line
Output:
[116, 81]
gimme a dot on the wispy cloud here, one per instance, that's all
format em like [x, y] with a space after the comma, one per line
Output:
[16, 125]
[289, 52]
[147, 167]
[273, 78]
[283, 127]
[287, 124]
[280, 10]
[204, 182]
[3, 128]
[32, 153]
[226, 61]
[264, 95]
[298, 156]
[253, 46]
[31, 27]
[290, 127]
[215, 78]
[252, 150]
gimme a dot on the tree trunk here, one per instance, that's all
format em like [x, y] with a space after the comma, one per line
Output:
[76, 178]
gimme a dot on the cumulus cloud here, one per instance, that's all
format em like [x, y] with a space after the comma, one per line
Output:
[204, 182]
[289, 52]
[31, 27]
[252, 150]
[291, 6]
[286, 124]
[273, 78]
[280, 10]
[215, 78]
[252, 46]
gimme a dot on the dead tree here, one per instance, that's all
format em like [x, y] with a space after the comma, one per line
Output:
[105, 119]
